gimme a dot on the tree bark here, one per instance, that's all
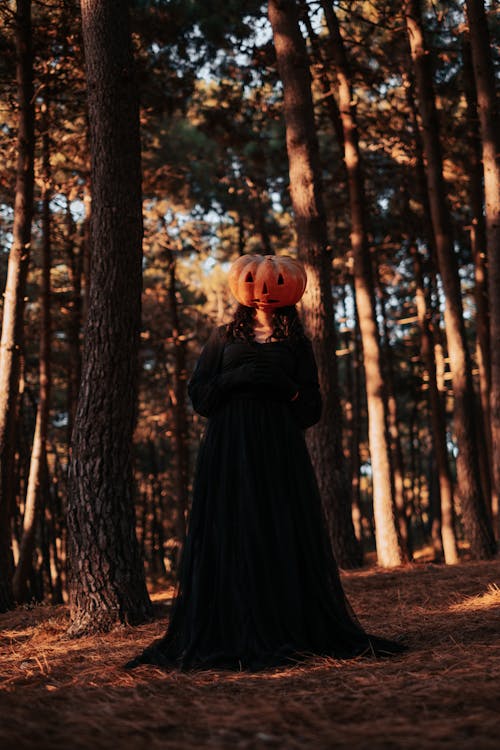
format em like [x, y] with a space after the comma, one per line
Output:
[324, 439]
[474, 513]
[38, 463]
[388, 549]
[13, 311]
[479, 255]
[397, 461]
[107, 583]
[323, 76]
[487, 105]
[438, 417]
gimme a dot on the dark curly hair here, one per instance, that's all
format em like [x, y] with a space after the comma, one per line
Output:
[285, 321]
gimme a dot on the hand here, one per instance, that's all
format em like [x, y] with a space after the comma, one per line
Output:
[243, 375]
[272, 375]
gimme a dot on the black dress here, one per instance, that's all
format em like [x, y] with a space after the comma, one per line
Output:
[258, 584]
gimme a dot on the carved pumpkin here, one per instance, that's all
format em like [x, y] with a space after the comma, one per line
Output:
[267, 281]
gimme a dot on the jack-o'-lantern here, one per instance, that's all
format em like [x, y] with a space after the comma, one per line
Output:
[267, 281]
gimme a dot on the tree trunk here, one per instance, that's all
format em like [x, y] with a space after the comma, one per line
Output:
[479, 255]
[38, 463]
[13, 310]
[388, 549]
[55, 540]
[324, 439]
[474, 513]
[438, 417]
[323, 76]
[107, 583]
[400, 499]
[241, 233]
[74, 262]
[487, 104]
[179, 399]
[353, 387]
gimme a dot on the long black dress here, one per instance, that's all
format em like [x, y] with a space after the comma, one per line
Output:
[258, 584]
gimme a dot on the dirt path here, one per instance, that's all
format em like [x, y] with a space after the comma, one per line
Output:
[445, 693]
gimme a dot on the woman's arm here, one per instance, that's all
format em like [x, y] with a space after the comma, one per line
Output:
[306, 406]
[208, 384]
[203, 386]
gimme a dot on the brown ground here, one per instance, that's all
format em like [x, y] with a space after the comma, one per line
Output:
[445, 693]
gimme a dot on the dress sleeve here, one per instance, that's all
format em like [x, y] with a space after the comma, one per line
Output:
[204, 386]
[306, 408]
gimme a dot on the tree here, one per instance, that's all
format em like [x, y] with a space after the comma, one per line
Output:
[38, 464]
[388, 549]
[107, 582]
[479, 255]
[437, 416]
[474, 512]
[490, 143]
[178, 393]
[11, 345]
[325, 439]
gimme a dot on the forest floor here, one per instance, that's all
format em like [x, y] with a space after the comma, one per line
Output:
[444, 693]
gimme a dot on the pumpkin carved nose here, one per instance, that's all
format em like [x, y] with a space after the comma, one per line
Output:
[264, 288]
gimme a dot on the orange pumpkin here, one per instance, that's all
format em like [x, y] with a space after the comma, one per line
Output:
[267, 281]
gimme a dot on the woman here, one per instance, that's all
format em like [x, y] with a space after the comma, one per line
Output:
[258, 584]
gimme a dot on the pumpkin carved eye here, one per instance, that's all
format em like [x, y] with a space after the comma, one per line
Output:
[249, 276]
[280, 279]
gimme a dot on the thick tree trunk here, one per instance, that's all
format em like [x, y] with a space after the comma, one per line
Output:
[107, 583]
[487, 105]
[324, 439]
[388, 549]
[13, 310]
[38, 463]
[438, 417]
[473, 505]
[479, 255]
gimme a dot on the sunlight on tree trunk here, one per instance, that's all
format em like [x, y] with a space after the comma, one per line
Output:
[393, 418]
[487, 104]
[474, 513]
[325, 439]
[479, 255]
[389, 552]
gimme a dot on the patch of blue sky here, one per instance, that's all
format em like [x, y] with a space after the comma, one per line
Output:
[261, 36]
[6, 220]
